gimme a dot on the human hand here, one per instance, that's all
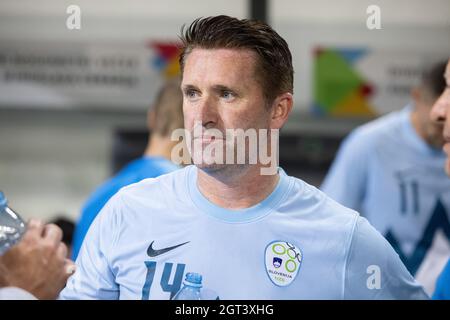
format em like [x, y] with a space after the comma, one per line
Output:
[38, 262]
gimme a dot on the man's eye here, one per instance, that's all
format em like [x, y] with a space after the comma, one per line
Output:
[227, 95]
[191, 94]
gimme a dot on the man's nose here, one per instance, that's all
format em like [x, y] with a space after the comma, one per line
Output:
[207, 113]
[447, 122]
[439, 111]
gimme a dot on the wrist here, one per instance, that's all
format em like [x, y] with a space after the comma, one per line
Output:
[3, 276]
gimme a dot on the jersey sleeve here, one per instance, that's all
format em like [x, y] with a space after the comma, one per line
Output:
[345, 181]
[94, 277]
[88, 214]
[375, 271]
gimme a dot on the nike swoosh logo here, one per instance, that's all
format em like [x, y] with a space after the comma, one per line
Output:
[153, 253]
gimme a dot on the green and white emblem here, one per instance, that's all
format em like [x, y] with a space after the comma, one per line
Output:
[283, 260]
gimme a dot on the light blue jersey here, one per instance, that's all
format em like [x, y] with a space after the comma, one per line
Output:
[397, 181]
[295, 244]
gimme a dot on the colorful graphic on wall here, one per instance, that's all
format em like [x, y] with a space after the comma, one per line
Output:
[339, 88]
[166, 58]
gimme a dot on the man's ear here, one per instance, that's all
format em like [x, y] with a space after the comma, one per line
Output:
[280, 110]
[151, 119]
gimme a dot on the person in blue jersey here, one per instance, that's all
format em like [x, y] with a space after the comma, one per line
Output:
[165, 115]
[250, 233]
[440, 113]
[391, 170]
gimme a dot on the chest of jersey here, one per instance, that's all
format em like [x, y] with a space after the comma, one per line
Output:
[264, 260]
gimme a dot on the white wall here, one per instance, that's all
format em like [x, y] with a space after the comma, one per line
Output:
[103, 20]
[393, 12]
[417, 25]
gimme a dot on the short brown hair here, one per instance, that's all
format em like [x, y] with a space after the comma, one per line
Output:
[433, 78]
[168, 108]
[274, 64]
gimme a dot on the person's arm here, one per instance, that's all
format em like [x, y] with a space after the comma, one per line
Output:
[37, 264]
[346, 179]
[375, 271]
[94, 278]
[11, 293]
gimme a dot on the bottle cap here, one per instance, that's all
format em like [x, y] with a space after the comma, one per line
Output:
[193, 279]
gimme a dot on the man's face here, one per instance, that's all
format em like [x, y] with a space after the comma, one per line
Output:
[221, 91]
[440, 113]
[431, 130]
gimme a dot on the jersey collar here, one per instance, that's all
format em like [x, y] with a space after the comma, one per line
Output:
[253, 213]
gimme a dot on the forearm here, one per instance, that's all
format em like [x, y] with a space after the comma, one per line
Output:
[3, 276]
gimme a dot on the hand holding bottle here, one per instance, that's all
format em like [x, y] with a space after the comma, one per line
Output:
[38, 262]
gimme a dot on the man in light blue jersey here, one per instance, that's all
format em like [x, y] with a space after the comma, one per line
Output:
[440, 113]
[165, 115]
[392, 171]
[250, 231]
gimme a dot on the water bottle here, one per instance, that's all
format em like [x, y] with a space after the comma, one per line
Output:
[191, 289]
[12, 226]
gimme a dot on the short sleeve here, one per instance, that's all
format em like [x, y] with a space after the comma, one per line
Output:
[375, 271]
[94, 278]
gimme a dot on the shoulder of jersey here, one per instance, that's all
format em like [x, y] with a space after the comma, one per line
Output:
[379, 128]
[315, 202]
[160, 183]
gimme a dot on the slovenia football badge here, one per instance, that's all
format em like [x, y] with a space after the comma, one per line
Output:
[283, 260]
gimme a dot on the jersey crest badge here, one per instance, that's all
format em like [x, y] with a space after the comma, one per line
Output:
[283, 261]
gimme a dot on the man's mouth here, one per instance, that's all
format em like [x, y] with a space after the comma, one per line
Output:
[207, 139]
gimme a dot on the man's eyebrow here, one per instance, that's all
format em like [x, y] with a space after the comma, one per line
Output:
[188, 87]
[221, 87]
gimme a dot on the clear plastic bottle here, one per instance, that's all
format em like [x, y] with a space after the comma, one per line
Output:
[191, 289]
[12, 226]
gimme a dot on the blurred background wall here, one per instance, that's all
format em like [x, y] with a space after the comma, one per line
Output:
[56, 146]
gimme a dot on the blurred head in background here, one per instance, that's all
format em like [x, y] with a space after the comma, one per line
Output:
[164, 116]
[440, 114]
[425, 95]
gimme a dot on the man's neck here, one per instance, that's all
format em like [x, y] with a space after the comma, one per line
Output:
[236, 188]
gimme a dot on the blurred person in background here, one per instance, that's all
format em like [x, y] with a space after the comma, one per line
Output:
[36, 267]
[164, 116]
[392, 171]
[440, 114]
